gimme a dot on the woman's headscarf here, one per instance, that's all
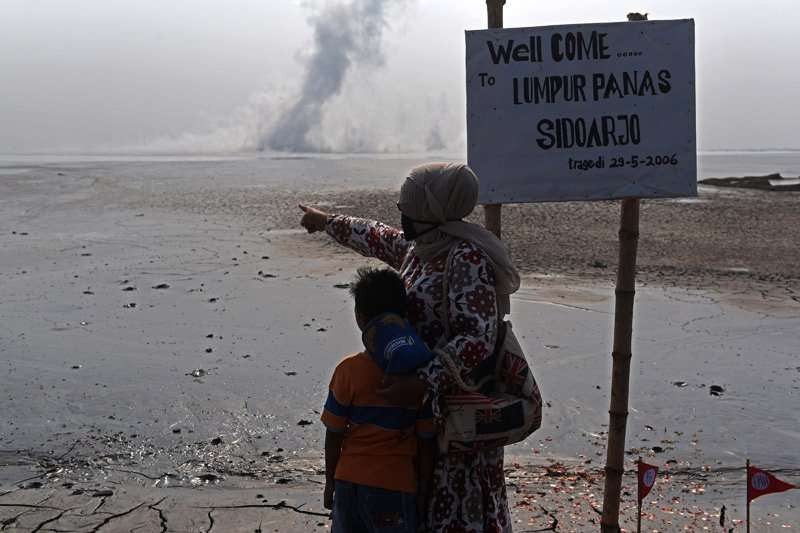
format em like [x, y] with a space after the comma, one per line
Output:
[444, 193]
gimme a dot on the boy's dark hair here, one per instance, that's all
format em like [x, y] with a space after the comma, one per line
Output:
[378, 291]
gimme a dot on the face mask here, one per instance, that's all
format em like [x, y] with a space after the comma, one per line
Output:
[410, 230]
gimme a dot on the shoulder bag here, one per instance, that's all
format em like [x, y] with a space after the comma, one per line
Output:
[499, 403]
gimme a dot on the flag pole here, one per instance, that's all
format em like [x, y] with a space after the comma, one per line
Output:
[493, 219]
[747, 494]
[638, 498]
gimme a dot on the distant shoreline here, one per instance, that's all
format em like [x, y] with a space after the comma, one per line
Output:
[763, 183]
[447, 154]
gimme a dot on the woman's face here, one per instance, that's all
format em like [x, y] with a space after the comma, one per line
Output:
[409, 231]
[414, 228]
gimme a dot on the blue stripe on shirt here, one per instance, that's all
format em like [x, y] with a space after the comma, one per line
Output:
[337, 409]
[386, 417]
[394, 418]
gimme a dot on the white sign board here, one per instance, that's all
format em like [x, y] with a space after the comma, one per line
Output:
[582, 112]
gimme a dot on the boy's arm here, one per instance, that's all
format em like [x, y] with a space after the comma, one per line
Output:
[426, 456]
[333, 448]
[425, 462]
[335, 416]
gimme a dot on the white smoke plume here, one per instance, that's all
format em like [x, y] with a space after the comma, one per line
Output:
[345, 35]
[343, 103]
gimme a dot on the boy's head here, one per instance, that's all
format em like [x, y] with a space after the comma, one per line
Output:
[377, 291]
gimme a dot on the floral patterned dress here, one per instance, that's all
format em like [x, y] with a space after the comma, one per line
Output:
[469, 492]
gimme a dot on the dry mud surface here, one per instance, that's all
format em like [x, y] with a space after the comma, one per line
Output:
[732, 238]
[166, 345]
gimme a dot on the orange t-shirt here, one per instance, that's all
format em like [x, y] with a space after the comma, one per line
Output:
[380, 441]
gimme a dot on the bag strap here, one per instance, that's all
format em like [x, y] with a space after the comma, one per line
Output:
[446, 358]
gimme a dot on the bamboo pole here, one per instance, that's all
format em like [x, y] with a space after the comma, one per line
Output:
[621, 363]
[621, 356]
[494, 12]
[493, 218]
[493, 213]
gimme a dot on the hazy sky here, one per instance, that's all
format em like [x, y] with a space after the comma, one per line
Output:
[203, 75]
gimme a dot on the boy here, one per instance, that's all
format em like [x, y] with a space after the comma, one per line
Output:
[378, 457]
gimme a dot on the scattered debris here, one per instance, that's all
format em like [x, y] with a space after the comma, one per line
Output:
[680, 384]
[197, 373]
[715, 390]
[206, 478]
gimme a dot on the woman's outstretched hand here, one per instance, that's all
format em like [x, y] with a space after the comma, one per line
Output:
[313, 219]
[403, 391]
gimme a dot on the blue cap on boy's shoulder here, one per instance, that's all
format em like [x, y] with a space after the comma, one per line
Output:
[394, 344]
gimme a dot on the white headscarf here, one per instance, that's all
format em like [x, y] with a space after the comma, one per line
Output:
[444, 193]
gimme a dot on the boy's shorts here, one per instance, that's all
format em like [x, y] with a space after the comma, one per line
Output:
[362, 509]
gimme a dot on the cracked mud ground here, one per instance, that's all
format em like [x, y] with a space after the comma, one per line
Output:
[557, 497]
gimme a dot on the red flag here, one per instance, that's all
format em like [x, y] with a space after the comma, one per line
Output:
[647, 478]
[760, 482]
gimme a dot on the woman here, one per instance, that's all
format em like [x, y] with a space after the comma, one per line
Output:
[468, 493]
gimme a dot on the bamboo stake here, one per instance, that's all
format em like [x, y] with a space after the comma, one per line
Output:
[493, 213]
[747, 493]
[638, 499]
[621, 363]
